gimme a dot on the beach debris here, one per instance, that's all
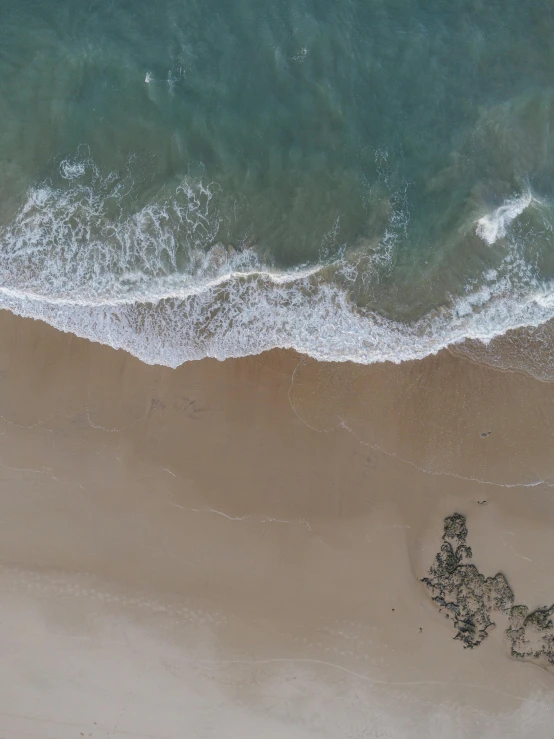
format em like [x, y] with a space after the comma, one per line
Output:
[486, 433]
[470, 599]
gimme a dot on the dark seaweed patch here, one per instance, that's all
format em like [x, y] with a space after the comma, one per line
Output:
[470, 599]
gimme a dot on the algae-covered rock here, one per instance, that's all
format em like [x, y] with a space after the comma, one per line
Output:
[455, 528]
[470, 599]
[460, 588]
[532, 634]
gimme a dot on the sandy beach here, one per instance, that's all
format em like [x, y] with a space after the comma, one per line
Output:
[236, 549]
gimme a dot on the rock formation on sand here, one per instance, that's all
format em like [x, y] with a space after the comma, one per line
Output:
[470, 599]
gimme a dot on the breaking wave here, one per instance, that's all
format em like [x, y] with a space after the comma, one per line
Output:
[494, 226]
[158, 284]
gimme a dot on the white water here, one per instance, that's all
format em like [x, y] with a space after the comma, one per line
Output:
[124, 282]
[494, 226]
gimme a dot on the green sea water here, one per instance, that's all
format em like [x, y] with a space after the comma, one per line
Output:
[358, 180]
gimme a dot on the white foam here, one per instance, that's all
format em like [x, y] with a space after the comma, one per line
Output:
[494, 226]
[128, 281]
[70, 170]
[245, 315]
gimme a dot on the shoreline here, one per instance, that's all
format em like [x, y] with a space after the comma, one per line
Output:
[249, 537]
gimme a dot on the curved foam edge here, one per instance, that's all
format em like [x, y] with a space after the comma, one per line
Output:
[131, 294]
[240, 316]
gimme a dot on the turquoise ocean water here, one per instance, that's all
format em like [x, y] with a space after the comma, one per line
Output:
[359, 180]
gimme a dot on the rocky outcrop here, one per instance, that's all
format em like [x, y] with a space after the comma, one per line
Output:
[532, 634]
[471, 600]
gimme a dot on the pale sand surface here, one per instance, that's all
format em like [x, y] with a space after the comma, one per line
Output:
[217, 550]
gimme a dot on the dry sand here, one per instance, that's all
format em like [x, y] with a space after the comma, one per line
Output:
[235, 549]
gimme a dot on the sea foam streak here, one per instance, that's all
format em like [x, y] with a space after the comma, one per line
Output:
[124, 282]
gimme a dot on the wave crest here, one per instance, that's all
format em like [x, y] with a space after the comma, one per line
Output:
[158, 284]
[494, 226]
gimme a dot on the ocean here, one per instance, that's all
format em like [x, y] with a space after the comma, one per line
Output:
[361, 181]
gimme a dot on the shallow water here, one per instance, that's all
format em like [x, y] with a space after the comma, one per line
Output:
[363, 180]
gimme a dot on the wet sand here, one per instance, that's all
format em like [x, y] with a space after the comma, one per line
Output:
[236, 549]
